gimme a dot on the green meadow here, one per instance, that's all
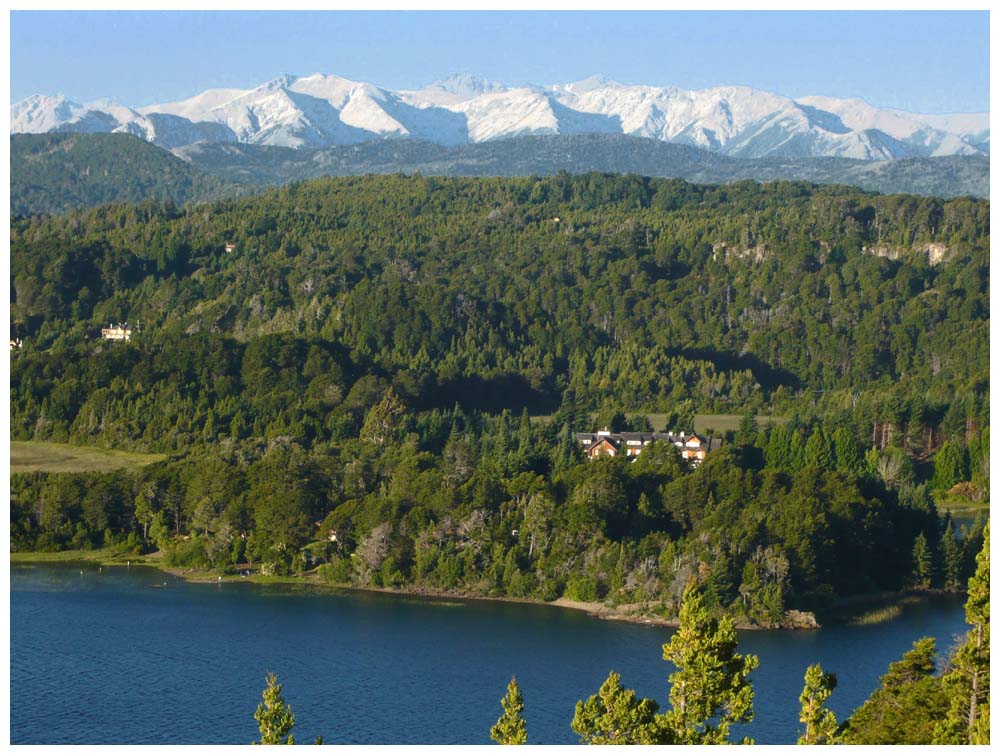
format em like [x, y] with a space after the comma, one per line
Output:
[36, 456]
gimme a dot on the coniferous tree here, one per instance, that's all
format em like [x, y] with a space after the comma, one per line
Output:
[967, 683]
[382, 420]
[611, 417]
[820, 722]
[565, 452]
[951, 558]
[923, 562]
[979, 458]
[949, 466]
[525, 436]
[711, 690]
[797, 451]
[846, 450]
[570, 412]
[510, 728]
[778, 452]
[819, 451]
[615, 716]
[274, 718]
[905, 707]
[747, 432]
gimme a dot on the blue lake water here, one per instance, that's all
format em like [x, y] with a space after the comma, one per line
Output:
[134, 656]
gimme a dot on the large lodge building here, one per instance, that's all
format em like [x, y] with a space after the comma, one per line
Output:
[692, 446]
[119, 332]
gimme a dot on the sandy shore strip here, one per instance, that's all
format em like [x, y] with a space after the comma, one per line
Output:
[635, 613]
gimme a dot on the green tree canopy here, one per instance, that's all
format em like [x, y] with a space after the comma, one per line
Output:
[949, 466]
[510, 728]
[967, 682]
[820, 723]
[923, 562]
[905, 708]
[274, 717]
[615, 716]
[711, 690]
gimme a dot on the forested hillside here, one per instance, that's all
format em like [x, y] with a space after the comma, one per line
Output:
[365, 361]
[55, 173]
[582, 153]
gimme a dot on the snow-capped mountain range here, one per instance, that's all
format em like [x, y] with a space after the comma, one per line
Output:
[323, 110]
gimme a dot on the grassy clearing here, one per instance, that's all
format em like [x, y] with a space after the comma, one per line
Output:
[960, 507]
[722, 423]
[36, 456]
[105, 556]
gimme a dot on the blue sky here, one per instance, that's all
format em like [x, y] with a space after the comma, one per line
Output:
[932, 62]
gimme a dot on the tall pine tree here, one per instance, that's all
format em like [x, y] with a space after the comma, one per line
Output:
[274, 718]
[711, 690]
[846, 450]
[967, 683]
[820, 723]
[510, 728]
[923, 562]
[951, 558]
[819, 450]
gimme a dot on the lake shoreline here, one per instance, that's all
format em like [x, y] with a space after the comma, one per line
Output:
[201, 576]
[75, 635]
[633, 613]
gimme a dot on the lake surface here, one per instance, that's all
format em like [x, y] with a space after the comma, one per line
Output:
[135, 656]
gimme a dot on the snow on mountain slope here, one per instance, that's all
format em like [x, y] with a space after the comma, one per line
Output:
[588, 84]
[918, 135]
[196, 108]
[452, 90]
[365, 109]
[334, 89]
[384, 113]
[170, 131]
[960, 124]
[275, 115]
[516, 112]
[39, 114]
[737, 121]
[321, 110]
[707, 118]
[971, 128]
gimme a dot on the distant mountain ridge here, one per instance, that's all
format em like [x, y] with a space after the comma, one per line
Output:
[318, 111]
[54, 173]
[951, 176]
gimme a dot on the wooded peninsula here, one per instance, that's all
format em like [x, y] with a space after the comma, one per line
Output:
[380, 380]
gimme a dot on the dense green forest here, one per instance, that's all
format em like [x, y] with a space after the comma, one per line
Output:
[55, 173]
[400, 362]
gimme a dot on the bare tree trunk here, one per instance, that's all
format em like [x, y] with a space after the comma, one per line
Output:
[972, 704]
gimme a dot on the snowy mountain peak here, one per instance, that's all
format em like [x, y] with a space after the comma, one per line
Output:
[467, 84]
[280, 82]
[320, 110]
[597, 81]
[40, 113]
